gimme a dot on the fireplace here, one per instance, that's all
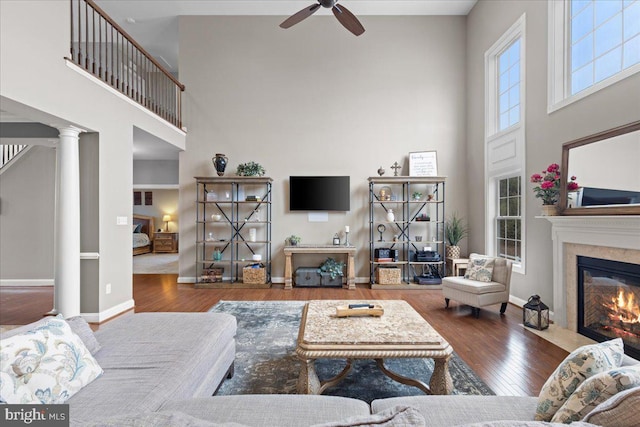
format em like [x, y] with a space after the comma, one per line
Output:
[609, 301]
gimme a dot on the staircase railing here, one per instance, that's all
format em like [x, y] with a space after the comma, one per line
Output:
[9, 152]
[101, 47]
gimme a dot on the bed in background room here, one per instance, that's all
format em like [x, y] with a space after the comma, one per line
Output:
[143, 227]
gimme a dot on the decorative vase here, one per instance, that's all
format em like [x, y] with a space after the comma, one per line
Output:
[390, 216]
[453, 252]
[549, 210]
[220, 163]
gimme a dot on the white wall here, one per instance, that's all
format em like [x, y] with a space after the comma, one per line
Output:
[34, 78]
[315, 100]
[155, 172]
[545, 133]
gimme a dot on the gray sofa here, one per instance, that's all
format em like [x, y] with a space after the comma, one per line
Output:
[163, 368]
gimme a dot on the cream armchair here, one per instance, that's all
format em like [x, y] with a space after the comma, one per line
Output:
[479, 294]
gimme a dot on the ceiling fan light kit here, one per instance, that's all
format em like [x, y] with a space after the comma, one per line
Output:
[346, 18]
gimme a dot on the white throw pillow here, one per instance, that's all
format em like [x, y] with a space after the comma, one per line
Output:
[480, 269]
[579, 365]
[595, 390]
[46, 365]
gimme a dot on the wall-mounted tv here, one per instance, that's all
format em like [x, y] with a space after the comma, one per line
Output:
[319, 193]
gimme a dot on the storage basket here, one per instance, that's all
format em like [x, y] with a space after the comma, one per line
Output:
[211, 275]
[254, 276]
[389, 276]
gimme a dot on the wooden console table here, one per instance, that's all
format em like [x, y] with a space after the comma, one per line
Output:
[350, 251]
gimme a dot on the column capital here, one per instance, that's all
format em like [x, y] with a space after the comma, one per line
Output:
[69, 130]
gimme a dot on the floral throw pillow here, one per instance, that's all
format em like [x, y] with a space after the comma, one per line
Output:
[480, 269]
[596, 390]
[46, 365]
[580, 364]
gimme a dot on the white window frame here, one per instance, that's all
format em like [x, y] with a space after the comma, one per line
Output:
[517, 174]
[558, 87]
[504, 150]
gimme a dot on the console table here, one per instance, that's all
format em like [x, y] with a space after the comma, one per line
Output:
[350, 251]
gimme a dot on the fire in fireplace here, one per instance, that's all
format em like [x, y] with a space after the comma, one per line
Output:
[609, 301]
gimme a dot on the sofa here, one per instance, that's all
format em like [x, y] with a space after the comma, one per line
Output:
[148, 359]
[161, 369]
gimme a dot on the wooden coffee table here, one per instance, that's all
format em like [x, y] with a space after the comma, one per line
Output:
[400, 333]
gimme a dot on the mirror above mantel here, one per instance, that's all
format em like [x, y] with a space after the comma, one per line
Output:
[607, 167]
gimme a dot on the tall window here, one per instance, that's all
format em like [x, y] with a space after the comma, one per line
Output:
[509, 220]
[509, 86]
[592, 44]
[505, 145]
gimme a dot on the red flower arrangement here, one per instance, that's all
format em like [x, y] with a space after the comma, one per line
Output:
[549, 184]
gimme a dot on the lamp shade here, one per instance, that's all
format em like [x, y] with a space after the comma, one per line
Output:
[166, 218]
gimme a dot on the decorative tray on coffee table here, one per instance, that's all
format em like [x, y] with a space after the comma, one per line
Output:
[364, 309]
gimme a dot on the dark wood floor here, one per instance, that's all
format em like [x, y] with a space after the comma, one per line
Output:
[510, 359]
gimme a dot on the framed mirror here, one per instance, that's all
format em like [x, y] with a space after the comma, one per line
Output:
[607, 168]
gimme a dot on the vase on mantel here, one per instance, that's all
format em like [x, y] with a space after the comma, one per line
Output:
[549, 210]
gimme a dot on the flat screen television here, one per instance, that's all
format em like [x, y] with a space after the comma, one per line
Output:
[319, 193]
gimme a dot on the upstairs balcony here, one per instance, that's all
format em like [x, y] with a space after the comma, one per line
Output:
[101, 47]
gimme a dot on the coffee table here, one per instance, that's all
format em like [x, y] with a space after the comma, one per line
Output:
[399, 333]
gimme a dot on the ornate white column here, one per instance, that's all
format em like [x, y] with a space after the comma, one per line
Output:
[67, 224]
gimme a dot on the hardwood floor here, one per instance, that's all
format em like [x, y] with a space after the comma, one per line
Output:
[509, 358]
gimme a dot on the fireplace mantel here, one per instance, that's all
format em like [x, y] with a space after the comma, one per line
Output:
[602, 233]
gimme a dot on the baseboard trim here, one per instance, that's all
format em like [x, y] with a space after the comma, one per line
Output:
[183, 279]
[26, 282]
[108, 314]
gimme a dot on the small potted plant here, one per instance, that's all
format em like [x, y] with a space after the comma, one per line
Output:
[455, 230]
[250, 169]
[332, 267]
[416, 196]
[548, 188]
[293, 240]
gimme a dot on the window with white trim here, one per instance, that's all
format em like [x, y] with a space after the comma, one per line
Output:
[509, 219]
[505, 145]
[509, 86]
[592, 44]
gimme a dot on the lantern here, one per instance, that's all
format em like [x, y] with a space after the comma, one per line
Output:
[535, 314]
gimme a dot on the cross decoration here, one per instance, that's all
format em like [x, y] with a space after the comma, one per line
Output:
[395, 166]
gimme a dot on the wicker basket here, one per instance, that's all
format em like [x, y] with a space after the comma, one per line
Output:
[254, 276]
[389, 276]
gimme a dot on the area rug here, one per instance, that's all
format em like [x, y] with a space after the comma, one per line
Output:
[266, 362]
[155, 264]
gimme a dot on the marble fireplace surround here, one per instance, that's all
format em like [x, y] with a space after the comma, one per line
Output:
[608, 237]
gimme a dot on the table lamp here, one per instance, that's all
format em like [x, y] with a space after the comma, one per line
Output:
[166, 219]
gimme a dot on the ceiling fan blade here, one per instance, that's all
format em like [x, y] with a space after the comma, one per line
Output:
[348, 19]
[297, 17]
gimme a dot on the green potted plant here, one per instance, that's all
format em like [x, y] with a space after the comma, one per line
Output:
[332, 267]
[455, 229]
[293, 240]
[416, 196]
[250, 169]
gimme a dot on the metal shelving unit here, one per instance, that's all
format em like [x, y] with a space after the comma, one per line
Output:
[408, 226]
[224, 220]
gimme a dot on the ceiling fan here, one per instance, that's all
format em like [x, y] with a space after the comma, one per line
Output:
[346, 18]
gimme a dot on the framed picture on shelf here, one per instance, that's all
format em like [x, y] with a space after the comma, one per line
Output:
[423, 163]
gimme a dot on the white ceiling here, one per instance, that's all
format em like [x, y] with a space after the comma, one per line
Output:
[154, 23]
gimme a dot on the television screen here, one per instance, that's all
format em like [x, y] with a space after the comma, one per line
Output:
[319, 193]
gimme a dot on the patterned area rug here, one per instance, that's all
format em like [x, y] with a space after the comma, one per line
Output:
[266, 361]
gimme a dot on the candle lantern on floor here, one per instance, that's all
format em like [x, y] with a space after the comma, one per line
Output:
[535, 313]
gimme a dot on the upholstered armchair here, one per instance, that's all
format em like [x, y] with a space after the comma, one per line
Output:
[486, 282]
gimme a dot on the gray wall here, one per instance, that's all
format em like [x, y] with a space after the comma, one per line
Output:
[89, 220]
[156, 172]
[27, 195]
[545, 133]
[315, 100]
